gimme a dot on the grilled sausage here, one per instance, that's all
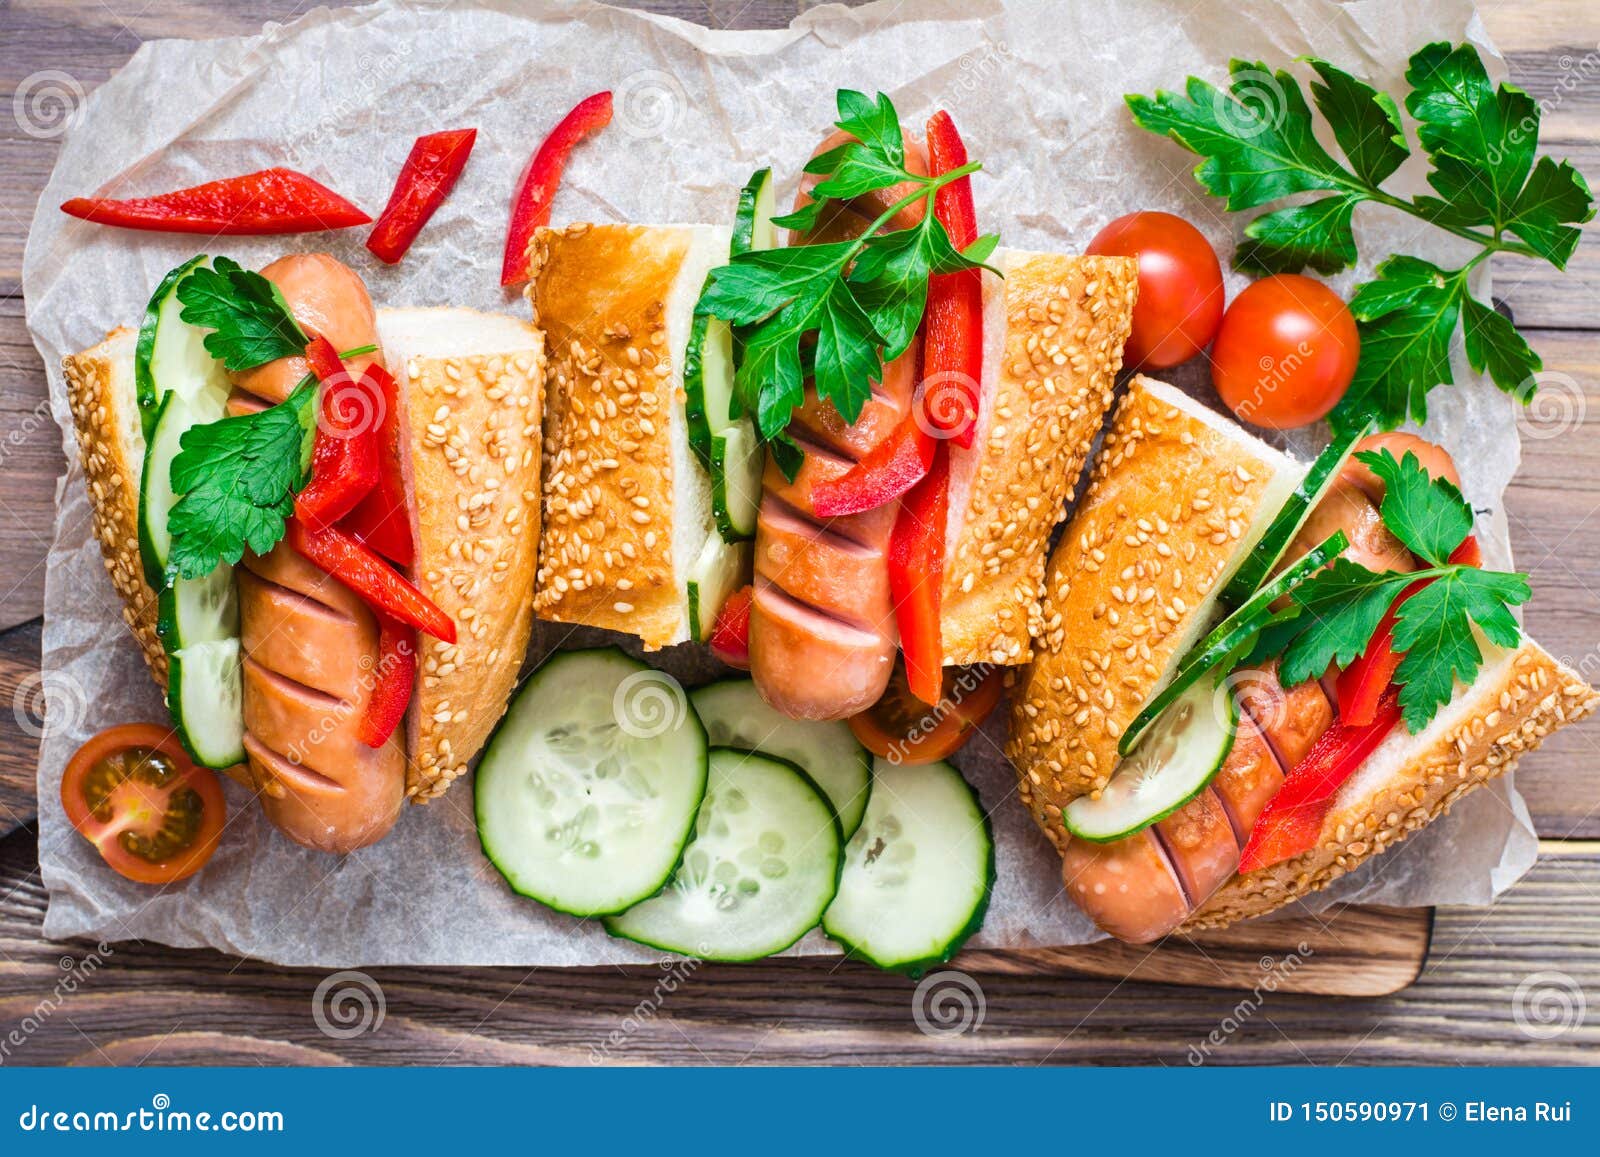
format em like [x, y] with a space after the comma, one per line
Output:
[822, 632]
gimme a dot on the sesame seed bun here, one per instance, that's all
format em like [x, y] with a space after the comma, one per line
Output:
[1053, 335]
[1518, 699]
[105, 414]
[627, 506]
[471, 385]
[1177, 497]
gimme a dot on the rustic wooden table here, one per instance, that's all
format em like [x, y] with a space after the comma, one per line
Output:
[149, 1004]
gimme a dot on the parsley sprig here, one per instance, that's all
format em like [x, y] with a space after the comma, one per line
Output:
[1337, 611]
[238, 477]
[860, 300]
[1257, 138]
[250, 322]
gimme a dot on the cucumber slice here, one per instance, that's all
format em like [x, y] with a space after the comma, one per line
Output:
[170, 354]
[1229, 638]
[1174, 763]
[735, 715]
[737, 459]
[202, 610]
[204, 696]
[762, 866]
[1287, 522]
[918, 873]
[721, 569]
[589, 787]
[753, 229]
[155, 487]
[708, 383]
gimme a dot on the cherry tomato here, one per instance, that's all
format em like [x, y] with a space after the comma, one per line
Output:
[133, 793]
[902, 729]
[1286, 352]
[1180, 286]
[1435, 460]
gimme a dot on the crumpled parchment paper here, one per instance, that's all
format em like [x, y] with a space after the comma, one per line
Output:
[1037, 90]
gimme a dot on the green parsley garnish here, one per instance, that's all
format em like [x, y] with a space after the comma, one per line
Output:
[250, 322]
[1259, 146]
[238, 477]
[1337, 611]
[862, 299]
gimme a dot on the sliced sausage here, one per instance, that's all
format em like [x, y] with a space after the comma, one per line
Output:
[326, 297]
[1346, 508]
[1128, 888]
[1249, 778]
[1200, 840]
[822, 632]
[1291, 718]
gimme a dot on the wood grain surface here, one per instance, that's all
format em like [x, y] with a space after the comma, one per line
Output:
[1492, 974]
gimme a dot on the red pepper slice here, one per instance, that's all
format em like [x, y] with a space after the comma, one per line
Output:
[890, 469]
[425, 180]
[916, 576]
[379, 584]
[344, 451]
[382, 520]
[952, 350]
[730, 637]
[536, 188]
[1292, 822]
[1361, 685]
[397, 676]
[267, 202]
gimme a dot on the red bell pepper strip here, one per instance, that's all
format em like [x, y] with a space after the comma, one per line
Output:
[1361, 685]
[916, 576]
[889, 469]
[382, 520]
[536, 188]
[379, 584]
[271, 201]
[344, 451]
[425, 180]
[730, 637]
[952, 351]
[1292, 822]
[397, 677]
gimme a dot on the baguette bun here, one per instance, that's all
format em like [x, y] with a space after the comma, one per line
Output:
[472, 388]
[1177, 497]
[627, 506]
[485, 369]
[1518, 699]
[1053, 335]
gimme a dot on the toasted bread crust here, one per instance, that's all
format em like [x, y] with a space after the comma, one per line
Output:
[475, 433]
[1066, 320]
[599, 293]
[1512, 710]
[111, 452]
[1145, 547]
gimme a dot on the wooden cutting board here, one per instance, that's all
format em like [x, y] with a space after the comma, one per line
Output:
[1357, 951]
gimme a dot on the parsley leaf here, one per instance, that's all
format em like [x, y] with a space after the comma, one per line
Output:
[1425, 513]
[1257, 141]
[1432, 627]
[238, 477]
[836, 312]
[1340, 608]
[250, 322]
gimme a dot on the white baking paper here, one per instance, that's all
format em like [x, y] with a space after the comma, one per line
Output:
[1037, 90]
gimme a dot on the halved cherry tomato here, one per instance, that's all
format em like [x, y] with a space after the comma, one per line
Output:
[1433, 458]
[153, 814]
[1286, 352]
[902, 729]
[1180, 286]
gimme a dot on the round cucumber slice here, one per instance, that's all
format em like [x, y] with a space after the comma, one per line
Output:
[735, 715]
[918, 873]
[1174, 762]
[1230, 636]
[589, 788]
[1287, 522]
[762, 866]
